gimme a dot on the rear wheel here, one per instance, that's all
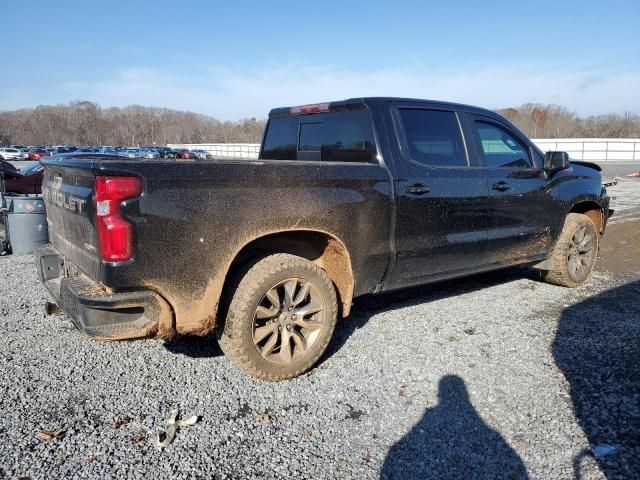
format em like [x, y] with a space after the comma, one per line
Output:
[281, 318]
[575, 252]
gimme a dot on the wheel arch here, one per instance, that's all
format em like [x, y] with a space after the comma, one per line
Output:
[322, 248]
[591, 209]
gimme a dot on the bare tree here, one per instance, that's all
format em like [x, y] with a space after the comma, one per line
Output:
[555, 121]
[85, 123]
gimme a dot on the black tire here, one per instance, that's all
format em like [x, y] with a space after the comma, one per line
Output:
[573, 256]
[252, 311]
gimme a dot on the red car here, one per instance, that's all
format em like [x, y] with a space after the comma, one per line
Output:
[37, 154]
[184, 153]
[25, 181]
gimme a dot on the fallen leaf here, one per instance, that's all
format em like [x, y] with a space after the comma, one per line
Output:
[227, 416]
[366, 457]
[402, 392]
[92, 457]
[266, 418]
[139, 439]
[121, 422]
[47, 435]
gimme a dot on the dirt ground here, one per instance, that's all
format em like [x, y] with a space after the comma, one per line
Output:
[620, 249]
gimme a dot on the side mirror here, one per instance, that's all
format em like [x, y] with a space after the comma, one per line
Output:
[554, 161]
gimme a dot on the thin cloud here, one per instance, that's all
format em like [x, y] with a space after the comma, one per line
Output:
[231, 94]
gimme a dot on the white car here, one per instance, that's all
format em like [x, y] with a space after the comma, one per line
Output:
[203, 154]
[7, 153]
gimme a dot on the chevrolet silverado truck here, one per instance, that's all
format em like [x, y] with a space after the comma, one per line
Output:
[346, 198]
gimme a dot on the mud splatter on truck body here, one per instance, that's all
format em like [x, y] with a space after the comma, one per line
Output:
[193, 220]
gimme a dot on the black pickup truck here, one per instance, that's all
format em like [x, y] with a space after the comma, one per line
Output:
[347, 198]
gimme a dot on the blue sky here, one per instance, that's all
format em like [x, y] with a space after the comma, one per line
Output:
[238, 59]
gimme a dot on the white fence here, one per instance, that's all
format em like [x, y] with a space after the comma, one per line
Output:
[594, 149]
[242, 150]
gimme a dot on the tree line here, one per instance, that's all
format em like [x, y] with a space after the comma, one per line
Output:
[555, 121]
[86, 123]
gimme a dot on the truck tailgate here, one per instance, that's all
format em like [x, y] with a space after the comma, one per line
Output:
[68, 191]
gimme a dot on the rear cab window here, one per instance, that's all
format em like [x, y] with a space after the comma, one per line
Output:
[335, 136]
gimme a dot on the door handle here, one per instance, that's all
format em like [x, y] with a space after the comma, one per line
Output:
[501, 186]
[417, 189]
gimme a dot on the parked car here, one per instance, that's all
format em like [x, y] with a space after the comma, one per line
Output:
[203, 154]
[36, 154]
[131, 152]
[166, 152]
[108, 150]
[8, 153]
[149, 153]
[63, 150]
[186, 154]
[347, 198]
[25, 181]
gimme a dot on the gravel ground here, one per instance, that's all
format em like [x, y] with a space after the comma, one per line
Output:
[454, 380]
[494, 376]
[626, 199]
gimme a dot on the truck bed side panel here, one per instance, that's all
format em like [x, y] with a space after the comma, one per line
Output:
[194, 217]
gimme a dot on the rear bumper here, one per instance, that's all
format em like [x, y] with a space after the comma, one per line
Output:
[98, 312]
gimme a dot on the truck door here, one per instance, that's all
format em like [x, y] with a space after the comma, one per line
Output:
[441, 198]
[522, 211]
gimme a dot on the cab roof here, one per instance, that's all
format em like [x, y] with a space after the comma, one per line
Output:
[370, 102]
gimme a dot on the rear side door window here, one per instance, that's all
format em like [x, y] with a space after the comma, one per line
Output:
[348, 137]
[433, 137]
[499, 148]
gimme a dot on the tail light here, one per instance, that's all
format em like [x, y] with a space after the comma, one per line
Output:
[115, 234]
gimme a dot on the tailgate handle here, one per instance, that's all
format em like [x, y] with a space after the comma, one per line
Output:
[417, 189]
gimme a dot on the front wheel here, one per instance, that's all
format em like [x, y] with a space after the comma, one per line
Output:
[280, 319]
[575, 252]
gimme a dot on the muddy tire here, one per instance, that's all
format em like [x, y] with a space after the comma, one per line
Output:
[280, 318]
[575, 253]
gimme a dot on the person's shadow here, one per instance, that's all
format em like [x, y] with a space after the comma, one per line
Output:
[597, 347]
[452, 441]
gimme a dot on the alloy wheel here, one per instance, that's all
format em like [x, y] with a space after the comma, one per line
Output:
[288, 320]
